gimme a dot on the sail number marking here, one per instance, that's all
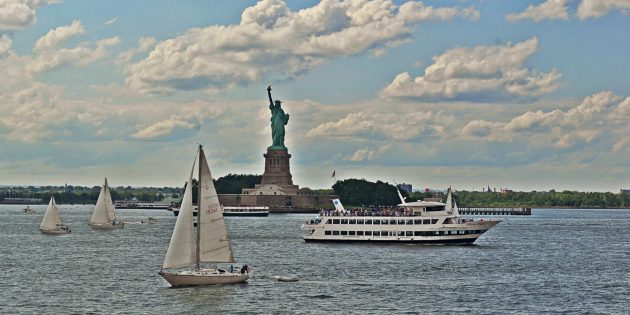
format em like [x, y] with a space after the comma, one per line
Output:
[213, 208]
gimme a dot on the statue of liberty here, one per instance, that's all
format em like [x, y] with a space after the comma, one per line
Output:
[278, 120]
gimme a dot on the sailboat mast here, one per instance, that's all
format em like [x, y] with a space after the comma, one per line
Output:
[197, 255]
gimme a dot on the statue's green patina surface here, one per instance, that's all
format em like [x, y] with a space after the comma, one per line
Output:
[278, 120]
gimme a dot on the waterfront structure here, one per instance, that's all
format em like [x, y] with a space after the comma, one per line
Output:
[406, 187]
[410, 222]
[212, 243]
[104, 215]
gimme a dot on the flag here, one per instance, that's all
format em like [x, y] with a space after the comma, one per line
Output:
[338, 206]
[333, 174]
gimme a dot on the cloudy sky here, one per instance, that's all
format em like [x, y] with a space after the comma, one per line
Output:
[529, 95]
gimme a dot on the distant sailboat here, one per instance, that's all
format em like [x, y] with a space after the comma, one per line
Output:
[210, 244]
[28, 208]
[104, 215]
[51, 223]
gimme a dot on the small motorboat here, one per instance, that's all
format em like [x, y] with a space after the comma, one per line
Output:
[287, 279]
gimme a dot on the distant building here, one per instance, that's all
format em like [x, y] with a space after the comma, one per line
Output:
[406, 187]
[505, 190]
[625, 191]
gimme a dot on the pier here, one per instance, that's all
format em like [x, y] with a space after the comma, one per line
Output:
[495, 210]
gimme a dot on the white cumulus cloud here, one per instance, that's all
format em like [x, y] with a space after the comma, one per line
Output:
[482, 72]
[19, 14]
[597, 115]
[597, 8]
[548, 10]
[5, 44]
[273, 43]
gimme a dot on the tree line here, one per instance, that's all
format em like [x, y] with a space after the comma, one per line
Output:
[352, 192]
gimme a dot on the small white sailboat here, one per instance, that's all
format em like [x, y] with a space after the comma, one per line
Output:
[51, 223]
[211, 244]
[104, 215]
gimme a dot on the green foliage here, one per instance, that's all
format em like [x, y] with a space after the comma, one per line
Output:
[541, 199]
[360, 192]
[234, 184]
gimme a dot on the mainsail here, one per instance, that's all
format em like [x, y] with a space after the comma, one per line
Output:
[449, 202]
[104, 210]
[181, 250]
[214, 242]
[51, 217]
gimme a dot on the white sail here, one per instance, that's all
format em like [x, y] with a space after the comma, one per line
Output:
[449, 202]
[111, 213]
[214, 242]
[455, 209]
[51, 217]
[181, 250]
[104, 207]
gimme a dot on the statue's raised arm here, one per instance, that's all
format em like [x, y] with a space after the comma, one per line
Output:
[270, 99]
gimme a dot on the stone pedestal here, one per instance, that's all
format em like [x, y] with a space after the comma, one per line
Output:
[277, 169]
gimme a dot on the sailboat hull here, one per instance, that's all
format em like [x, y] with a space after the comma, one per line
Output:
[203, 277]
[55, 231]
[107, 226]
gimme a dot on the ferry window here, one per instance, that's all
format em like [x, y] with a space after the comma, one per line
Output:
[409, 222]
[436, 233]
[328, 221]
[436, 208]
[368, 233]
[335, 232]
[359, 233]
[328, 232]
[417, 233]
[360, 221]
[376, 233]
[384, 222]
[417, 221]
[377, 221]
[409, 233]
[353, 221]
[425, 221]
[384, 233]
[392, 222]
[344, 232]
[368, 221]
[344, 221]
[401, 233]
[434, 221]
[335, 221]
[401, 222]
[351, 233]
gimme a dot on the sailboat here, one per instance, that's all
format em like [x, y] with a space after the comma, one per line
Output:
[211, 243]
[51, 223]
[28, 208]
[104, 216]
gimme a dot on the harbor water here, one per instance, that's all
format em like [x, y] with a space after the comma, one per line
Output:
[554, 261]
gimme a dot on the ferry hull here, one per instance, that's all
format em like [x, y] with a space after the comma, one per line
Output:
[179, 279]
[459, 241]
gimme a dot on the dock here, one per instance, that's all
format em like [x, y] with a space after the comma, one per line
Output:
[495, 210]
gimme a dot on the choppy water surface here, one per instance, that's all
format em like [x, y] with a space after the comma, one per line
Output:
[564, 261]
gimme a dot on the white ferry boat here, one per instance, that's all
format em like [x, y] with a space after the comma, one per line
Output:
[245, 211]
[410, 222]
